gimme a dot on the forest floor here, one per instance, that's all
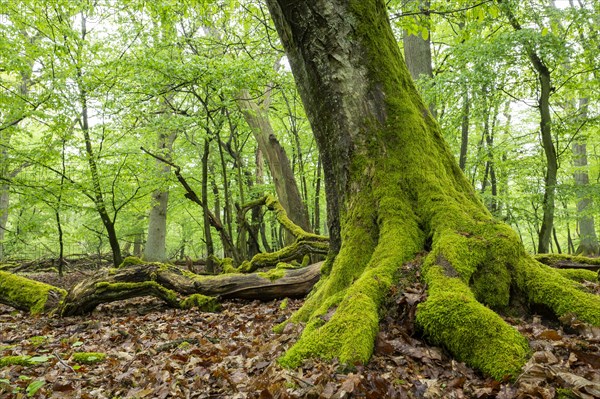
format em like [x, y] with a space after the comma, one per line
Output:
[156, 352]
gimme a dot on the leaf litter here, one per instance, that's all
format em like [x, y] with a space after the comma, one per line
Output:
[153, 351]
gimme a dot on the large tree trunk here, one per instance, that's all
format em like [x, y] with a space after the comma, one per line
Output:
[393, 190]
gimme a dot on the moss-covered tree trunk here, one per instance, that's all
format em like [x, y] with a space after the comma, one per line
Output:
[393, 190]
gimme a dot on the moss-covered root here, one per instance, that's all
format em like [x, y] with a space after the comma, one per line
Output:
[452, 317]
[544, 285]
[343, 311]
[579, 275]
[29, 295]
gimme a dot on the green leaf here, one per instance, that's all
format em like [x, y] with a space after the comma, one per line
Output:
[424, 33]
[4, 381]
[34, 387]
[76, 344]
[39, 359]
[544, 31]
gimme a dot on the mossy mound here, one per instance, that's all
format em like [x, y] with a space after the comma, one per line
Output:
[88, 357]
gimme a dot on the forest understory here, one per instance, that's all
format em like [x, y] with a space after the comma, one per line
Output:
[140, 348]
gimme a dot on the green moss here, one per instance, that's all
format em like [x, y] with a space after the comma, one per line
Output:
[305, 260]
[342, 313]
[578, 275]
[284, 304]
[15, 360]
[131, 260]
[38, 340]
[545, 285]
[88, 357]
[226, 265]
[566, 393]
[273, 274]
[202, 302]
[452, 317]
[29, 295]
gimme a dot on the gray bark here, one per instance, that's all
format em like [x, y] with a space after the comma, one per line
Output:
[417, 54]
[155, 249]
[588, 240]
[279, 164]
[4, 203]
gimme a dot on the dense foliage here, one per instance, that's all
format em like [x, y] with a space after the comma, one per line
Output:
[84, 85]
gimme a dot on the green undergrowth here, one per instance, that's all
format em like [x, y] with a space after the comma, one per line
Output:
[15, 360]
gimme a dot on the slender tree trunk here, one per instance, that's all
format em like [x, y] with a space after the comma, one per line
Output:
[4, 204]
[464, 131]
[550, 178]
[588, 240]
[417, 53]
[156, 241]
[98, 195]
[210, 248]
[317, 211]
[227, 208]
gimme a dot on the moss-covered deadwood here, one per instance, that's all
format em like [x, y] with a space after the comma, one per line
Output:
[394, 189]
[29, 295]
[180, 288]
[305, 243]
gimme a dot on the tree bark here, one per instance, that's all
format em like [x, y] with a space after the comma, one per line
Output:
[156, 247]
[98, 196]
[464, 131]
[417, 53]
[277, 160]
[4, 204]
[588, 240]
[394, 189]
[550, 179]
[210, 248]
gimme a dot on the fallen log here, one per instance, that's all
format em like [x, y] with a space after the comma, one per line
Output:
[170, 283]
[563, 261]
